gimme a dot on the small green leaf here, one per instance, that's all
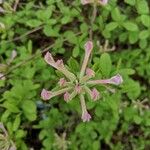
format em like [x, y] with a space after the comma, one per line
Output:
[130, 26]
[16, 123]
[144, 34]
[33, 23]
[29, 110]
[111, 26]
[11, 107]
[142, 7]
[73, 65]
[50, 32]
[116, 14]
[145, 20]
[130, 2]
[76, 51]
[105, 64]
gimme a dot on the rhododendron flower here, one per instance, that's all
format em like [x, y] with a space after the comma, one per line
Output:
[73, 85]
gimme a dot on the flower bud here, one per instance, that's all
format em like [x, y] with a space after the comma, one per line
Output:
[95, 95]
[66, 96]
[48, 58]
[86, 117]
[62, 82]
[88, 46]
[90, 72]
[117, 79]
[46, 95]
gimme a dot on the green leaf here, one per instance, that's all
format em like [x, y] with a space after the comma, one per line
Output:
[65, 19]
[33, 23]
[50, 32]
[73, 65]
[76, 51]
[130, 2]
[132, 89]
[116, 14]
[16, 123]
[20, 134]
[145, 20]
[137, 119]
[144, 34]
[71, 37]
[126, 71]
[29, 110]
[143, 43]
[142, 7]
[105, 64]
[130, 26]
[111, 26]
[133, 37]
[11, 107]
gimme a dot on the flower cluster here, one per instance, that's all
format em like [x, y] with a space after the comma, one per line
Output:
[71, 85]
[101, 2]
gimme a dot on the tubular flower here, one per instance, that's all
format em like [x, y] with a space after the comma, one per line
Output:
[95, 94]
[46, 95]
[82, 85]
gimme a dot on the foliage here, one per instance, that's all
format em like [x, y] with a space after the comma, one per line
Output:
[120, 120]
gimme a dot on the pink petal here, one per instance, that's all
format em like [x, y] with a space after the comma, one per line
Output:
[48, 58]
[78, 89]
[86, 117]
[66, 96]
[117, 79]
[46, 95]
[103, 2]
[90, 72]
[62, 82]
[60, 63]
[95, 95]
[88, 46]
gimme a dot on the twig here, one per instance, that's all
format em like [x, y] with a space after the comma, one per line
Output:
[24, 35]
[15, 5]
[31, 58]
[93, 20]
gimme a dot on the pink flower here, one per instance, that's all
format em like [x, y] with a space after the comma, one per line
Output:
[95, 95]
[117, 79]
[62, 82]
[86, 117]
[88, 46]
[48, 58]
[103, 2]
[90, 72]
[78, 89]
[60, 63]
[66, 96]
[46, 95]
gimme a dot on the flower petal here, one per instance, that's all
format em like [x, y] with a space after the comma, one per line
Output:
[46, 95]
[95, 95]
[86, 117]
[103, 2]
[90, 72]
